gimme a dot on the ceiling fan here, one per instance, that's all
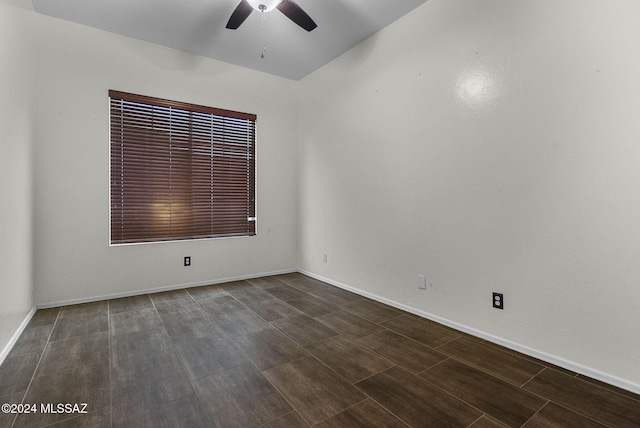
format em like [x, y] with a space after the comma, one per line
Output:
[288, 7]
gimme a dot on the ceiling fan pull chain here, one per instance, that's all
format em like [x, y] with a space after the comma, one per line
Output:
[264, 45]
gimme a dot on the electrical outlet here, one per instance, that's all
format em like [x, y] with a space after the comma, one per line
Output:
[422, 282]
[498, 300]
[324, 258]
[187, 260]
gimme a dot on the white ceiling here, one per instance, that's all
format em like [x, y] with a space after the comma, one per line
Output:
[198, 26]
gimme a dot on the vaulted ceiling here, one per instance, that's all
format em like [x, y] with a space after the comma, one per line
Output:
[198, 26]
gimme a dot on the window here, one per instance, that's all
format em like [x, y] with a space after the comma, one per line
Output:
[179, 171]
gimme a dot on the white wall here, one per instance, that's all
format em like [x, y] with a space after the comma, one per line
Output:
[493, 146]
[73, 259]
[16, 122]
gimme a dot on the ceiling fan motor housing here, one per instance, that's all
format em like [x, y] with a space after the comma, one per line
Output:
[288, 7]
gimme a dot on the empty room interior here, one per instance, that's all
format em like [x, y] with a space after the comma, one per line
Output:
[400, 179]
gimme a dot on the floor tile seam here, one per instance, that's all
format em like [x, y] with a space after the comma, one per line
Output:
[434, 324]
[323, 302]
[15, 351]
[35, 370]
[195, 394]
[367, 397]
[588, 382]
[581, 377]
[389, 358]
[537, 412]
[545, 399]
[236, 299]
[387, 409]
[571, 408]
[286, 283]
[326, 339]
[468, 362]
[351, 313]
[109, 313]
[362, 345]
[504, 351]
[354, 341]
[411, 339]
[486, 371]
[352, 384]
[174, 349]
[460, 399]
[393, 363]
[282, 416]
[297, 287]
[193, 299]
[460, 336]
[591, 418]
[292, 339]
[220, 286]
[329, 302]
[182, 364]
[531, 378]
[513, 353]
[235, 344]
[370, 320]
[227, 338]
[171, 300]
[433, 366]
[109, 363]
[274, 298]
[421, 343]
[478, 420]
[433, 385]
[340, 332]
[77, 335]
[282, 395]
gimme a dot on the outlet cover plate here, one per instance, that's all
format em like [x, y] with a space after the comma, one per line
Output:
[498, 300]
[422, 282]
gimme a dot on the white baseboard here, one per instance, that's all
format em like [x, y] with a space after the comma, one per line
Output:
[549, 358]
[9, 346]
[159, 289]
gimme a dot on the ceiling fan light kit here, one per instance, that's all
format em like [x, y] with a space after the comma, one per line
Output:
[264, 5]
[288, 7]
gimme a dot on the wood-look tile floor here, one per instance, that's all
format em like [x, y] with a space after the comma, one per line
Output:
[284, 351]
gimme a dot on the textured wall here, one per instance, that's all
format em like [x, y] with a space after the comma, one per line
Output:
[491, 146]
[73, 259]
[16, 141]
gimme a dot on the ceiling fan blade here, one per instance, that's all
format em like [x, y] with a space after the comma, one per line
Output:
[296, 14]
[239, 15]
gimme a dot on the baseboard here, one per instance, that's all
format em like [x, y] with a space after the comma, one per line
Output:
[16, 335]
[159, 289]
[549, 358]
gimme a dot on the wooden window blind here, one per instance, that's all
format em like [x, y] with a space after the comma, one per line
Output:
[179, 171]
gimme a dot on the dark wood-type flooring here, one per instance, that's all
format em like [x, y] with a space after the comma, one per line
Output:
[285, 351]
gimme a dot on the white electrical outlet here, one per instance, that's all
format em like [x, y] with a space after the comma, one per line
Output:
[422, 282]
[324, 258]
